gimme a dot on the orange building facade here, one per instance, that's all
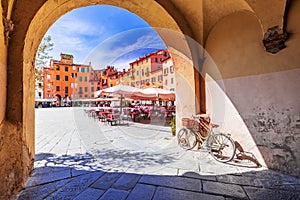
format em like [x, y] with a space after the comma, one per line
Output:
[65, 80]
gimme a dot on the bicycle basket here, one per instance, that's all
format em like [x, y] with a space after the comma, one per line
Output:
[187, 122]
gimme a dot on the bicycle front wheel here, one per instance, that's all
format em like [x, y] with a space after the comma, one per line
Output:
[222, 147]
[186, 138]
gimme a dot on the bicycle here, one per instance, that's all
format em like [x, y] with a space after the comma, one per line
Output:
[199, 129]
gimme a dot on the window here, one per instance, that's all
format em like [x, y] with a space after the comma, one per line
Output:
[172, 69]
[172, 80]
[159, 78]
[57, 77]
[57, 67]
[80, 78]
[92, 89]
[72, 85]
[98, 88]
[80, 89]
[66, 68]
[66, 89]
[40, 84]
[57, 88]
[153, 79]
[137, 72]
[142, 72]
[74, 67]
[156, 59]
[85, 79]
[166, 82]
[85, 89]
[40, 94]
[66, 78]
[48, 76]
[72, 75]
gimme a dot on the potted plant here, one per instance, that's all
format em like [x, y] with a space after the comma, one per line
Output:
[173, 125]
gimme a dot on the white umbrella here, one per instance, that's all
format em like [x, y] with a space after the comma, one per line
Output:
[155, 93]
[123, 90]
[118, 89]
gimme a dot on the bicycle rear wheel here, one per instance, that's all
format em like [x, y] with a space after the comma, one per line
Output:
[186, 138]
[222, 147]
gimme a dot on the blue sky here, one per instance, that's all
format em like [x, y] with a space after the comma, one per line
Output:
[103, 35]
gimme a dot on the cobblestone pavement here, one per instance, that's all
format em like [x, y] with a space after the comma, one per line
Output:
[78, 157]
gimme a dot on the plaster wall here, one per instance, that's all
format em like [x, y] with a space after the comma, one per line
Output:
[258, 91]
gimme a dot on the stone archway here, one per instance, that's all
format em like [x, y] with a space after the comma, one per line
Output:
[29, 29]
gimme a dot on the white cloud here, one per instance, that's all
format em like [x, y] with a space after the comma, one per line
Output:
[116, 50]
[74, 35]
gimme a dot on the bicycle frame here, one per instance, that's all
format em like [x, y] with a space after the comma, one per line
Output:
[220, 145]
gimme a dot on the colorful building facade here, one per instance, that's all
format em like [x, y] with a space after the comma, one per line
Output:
[147, 71]
[169, 82]
[65, 80]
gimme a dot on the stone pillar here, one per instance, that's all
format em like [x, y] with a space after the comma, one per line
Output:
[186, 100]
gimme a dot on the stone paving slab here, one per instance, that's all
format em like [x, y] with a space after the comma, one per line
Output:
[106, 181]
[173, 182]
[48, 177]
[90, 194]
[225, 189]
[240, 180]
[126, 182]
[175, 194]
[114, 194]
[142, 191]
